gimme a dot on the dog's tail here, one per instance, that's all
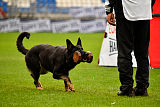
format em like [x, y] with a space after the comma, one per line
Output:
[20, 46]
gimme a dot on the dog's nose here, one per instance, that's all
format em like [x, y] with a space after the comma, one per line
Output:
[90, 57]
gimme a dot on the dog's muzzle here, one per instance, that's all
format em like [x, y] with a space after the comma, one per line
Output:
[78, 57]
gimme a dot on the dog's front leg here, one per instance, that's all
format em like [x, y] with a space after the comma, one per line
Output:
[68, 85]
[56, 75]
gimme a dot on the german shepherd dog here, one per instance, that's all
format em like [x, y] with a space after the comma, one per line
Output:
[58, 60]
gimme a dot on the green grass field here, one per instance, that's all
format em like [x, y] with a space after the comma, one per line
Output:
[95, 86]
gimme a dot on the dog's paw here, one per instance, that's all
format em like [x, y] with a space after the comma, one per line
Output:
[67, 90]
[39, 88]
[73, 90]
[71, 87]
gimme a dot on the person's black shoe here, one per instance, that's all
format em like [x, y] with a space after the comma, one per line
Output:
[129, 93]
[140, 92]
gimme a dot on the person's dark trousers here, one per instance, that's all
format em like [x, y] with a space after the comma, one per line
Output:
[133, 35]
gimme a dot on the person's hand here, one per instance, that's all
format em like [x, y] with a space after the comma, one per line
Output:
[111, 19]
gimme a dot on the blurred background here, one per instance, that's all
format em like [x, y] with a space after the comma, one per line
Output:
[51, 9]
[83, 16]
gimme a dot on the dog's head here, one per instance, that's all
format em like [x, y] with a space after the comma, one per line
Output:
[79, 55]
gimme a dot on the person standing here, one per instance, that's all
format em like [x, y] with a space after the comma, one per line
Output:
[133, 34]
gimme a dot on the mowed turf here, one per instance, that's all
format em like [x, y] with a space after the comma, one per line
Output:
[95, 86]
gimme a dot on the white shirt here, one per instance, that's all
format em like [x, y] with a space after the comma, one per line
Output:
[137, 9]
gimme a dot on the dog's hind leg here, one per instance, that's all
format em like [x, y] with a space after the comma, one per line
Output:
[36, 82]
[32, 63]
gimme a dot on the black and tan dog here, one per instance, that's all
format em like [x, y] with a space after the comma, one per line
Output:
[56, 59]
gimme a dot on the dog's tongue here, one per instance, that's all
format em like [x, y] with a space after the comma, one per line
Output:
[90, 57]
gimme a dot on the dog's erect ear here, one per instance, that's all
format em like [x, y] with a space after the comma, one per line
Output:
[79, 42]
[69, 44]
